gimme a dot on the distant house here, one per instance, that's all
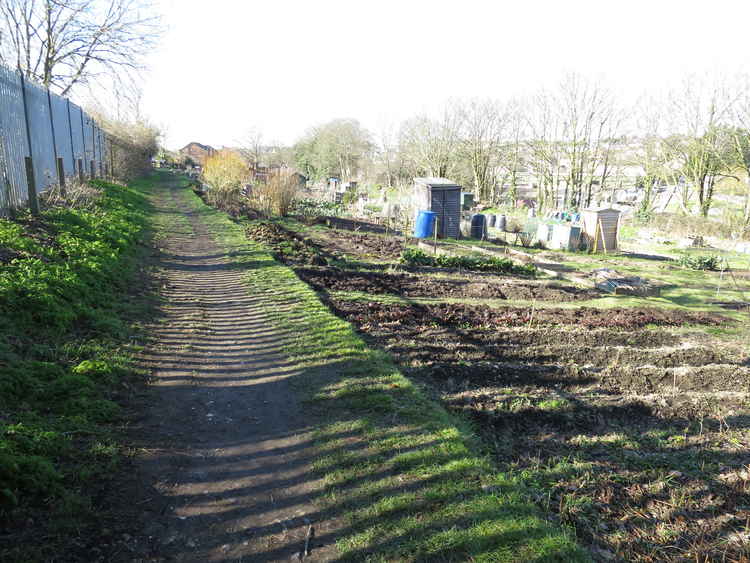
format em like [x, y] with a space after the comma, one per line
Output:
[197, 152]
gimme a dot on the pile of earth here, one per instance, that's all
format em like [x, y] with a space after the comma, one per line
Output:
[429, 286]
[456, 314]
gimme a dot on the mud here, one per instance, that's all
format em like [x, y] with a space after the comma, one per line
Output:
[426, 286]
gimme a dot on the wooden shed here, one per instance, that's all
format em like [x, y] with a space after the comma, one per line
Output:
[444, 198]
[600, 228]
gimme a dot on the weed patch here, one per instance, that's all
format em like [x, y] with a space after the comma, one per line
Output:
[415, 257]
[62, 283]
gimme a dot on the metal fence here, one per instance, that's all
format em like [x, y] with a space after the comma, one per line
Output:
[45, 140]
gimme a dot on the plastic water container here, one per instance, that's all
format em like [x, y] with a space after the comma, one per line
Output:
[478, 226]
[425, 225]
[490, 220]
[501, 223]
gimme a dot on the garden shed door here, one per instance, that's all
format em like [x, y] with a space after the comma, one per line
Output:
[446, 204]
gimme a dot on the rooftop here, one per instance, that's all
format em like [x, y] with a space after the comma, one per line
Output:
[436, 182]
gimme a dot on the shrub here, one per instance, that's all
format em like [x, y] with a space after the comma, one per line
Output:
[134, 143]
[276, 196]
[416, 257]
[59, 328]
[314, 208]
[225, 172]
[729, 225]
[703, 262]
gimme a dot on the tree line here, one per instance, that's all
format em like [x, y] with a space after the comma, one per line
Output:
[570, 145]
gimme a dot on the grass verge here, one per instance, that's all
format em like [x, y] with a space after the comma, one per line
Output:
[404, 477]
[66, 317]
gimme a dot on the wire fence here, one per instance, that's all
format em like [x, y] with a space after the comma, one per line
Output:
[45, 140]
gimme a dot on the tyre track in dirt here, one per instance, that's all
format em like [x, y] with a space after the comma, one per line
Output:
[226, 449]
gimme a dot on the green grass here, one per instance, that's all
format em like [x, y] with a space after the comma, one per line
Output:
[405, 478]
[64, 325]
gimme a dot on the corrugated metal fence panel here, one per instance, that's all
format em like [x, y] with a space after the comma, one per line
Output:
[77, 131]
[88, 136]
[98, 145]
[42, 143]
[13, 191]
[104, 153]
[62, 132]
[57, 128]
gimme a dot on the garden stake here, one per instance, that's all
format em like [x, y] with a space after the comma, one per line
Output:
[434, 250]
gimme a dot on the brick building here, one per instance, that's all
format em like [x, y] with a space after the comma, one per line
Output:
[197, 152]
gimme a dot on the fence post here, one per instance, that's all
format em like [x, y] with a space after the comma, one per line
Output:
[31, 183]
[80, 170]
[111, 160]
[30, 180]
[61, 174]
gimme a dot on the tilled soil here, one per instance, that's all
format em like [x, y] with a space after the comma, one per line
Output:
[456, 314]
[321, 247]
[635, 437]
[425, 286]
[329, 242]
[361, 245]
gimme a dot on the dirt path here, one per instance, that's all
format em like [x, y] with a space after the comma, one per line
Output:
[227, 450]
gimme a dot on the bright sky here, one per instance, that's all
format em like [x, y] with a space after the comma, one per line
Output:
[285, 65]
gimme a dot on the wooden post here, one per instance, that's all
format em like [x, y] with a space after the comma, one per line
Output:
[93, 171]
[596, 236]
[111, 161]
[80, 170]
[435, 236]
[61, 174]
[31, 181]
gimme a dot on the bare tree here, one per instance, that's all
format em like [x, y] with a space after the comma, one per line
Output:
[65, 43]
[512, 158]
[482, 126]
[251, 146]
[696, 114]
[544, 148]
[431, 143]
[739, 135]
[387, 151]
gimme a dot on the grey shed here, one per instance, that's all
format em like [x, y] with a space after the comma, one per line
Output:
[443, 197]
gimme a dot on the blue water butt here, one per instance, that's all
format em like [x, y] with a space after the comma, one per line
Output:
[425, 225]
